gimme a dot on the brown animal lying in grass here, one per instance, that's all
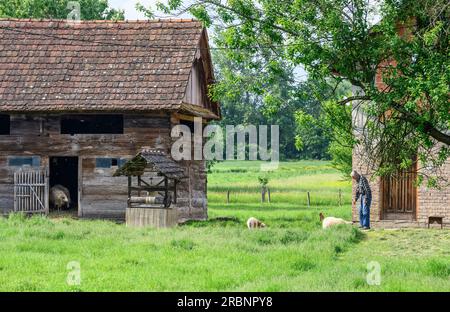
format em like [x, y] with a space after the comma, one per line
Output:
[253, 223]
[330, 221]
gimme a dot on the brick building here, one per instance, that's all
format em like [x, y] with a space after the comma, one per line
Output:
[396, 201]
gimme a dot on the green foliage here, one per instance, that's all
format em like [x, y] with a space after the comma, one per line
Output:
[58, 9]
[265, 94]
[341, 158]
[148, 13]
[332, 121]
[337, 41]
[201, 13]
[311, 139]
[210, 164]
[263, 181]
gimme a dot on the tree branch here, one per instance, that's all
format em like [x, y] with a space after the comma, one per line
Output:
[436, 134]
[354, 98]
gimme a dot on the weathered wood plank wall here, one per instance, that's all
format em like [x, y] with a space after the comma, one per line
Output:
[159, 218]
[101, 194]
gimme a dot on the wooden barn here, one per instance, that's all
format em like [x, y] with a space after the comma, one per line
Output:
[79, 100]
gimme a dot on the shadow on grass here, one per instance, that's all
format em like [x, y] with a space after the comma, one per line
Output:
[217, 222]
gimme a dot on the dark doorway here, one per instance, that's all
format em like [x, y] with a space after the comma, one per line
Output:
[64, 171]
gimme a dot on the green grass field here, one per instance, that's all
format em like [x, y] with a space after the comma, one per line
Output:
[293, 253]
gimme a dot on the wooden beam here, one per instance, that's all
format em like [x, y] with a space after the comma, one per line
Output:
[150, 189]
[129, 191]
[188, 117]
[166, 191]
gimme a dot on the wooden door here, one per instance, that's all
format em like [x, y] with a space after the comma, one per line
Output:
[31, 191]
[398, 196]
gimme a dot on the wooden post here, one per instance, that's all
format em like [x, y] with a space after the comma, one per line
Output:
[166, 192]
[46, 175]
[129, 191]
[268, 194]
[175, 191]
[309, 200]
[139, 185]
[80, 186]
[228, 196]
[15, 192]
[263, 194]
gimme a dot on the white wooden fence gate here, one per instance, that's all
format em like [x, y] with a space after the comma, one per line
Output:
[31, 191]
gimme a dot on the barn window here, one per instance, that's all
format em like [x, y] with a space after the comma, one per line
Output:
[92, 124]
[103, 163]
[109, 162]
[5, 124]
[18, 161]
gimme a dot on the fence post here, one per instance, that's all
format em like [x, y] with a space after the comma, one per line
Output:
[268, 194]
[228, 196]
[263, 194]
[309, 200]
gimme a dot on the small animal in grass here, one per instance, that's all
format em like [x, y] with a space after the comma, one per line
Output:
[330, 221]
[253, 223]
[60, 197]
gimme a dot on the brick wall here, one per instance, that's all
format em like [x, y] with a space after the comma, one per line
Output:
[430, 201]
[434, 202]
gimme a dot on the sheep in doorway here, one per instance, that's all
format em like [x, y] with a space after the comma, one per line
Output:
[253, 223]
[59, 197]
[330, 221]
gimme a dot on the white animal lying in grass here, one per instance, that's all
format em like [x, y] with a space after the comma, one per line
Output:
[59, 197]
[253, 223]
[330, 221]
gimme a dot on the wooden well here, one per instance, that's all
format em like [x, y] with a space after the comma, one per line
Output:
[152, 188]
[154, 217]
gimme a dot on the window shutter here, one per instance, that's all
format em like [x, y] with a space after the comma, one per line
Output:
[103, 162]
[18, 161]
[36, 161]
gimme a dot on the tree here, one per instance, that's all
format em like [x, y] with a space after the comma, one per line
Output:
[333, 122]
[337, 42]
[59, 9]
[251, 93]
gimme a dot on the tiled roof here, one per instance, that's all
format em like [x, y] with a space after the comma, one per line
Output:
[54, 65]
[156, 160]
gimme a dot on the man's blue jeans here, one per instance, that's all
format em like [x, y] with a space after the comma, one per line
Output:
[364, 212]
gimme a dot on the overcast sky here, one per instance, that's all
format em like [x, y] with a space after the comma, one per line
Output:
[130, 9]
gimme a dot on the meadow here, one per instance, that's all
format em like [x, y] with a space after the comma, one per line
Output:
[292, 254]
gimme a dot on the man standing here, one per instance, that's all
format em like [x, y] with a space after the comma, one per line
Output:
[363, 191]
